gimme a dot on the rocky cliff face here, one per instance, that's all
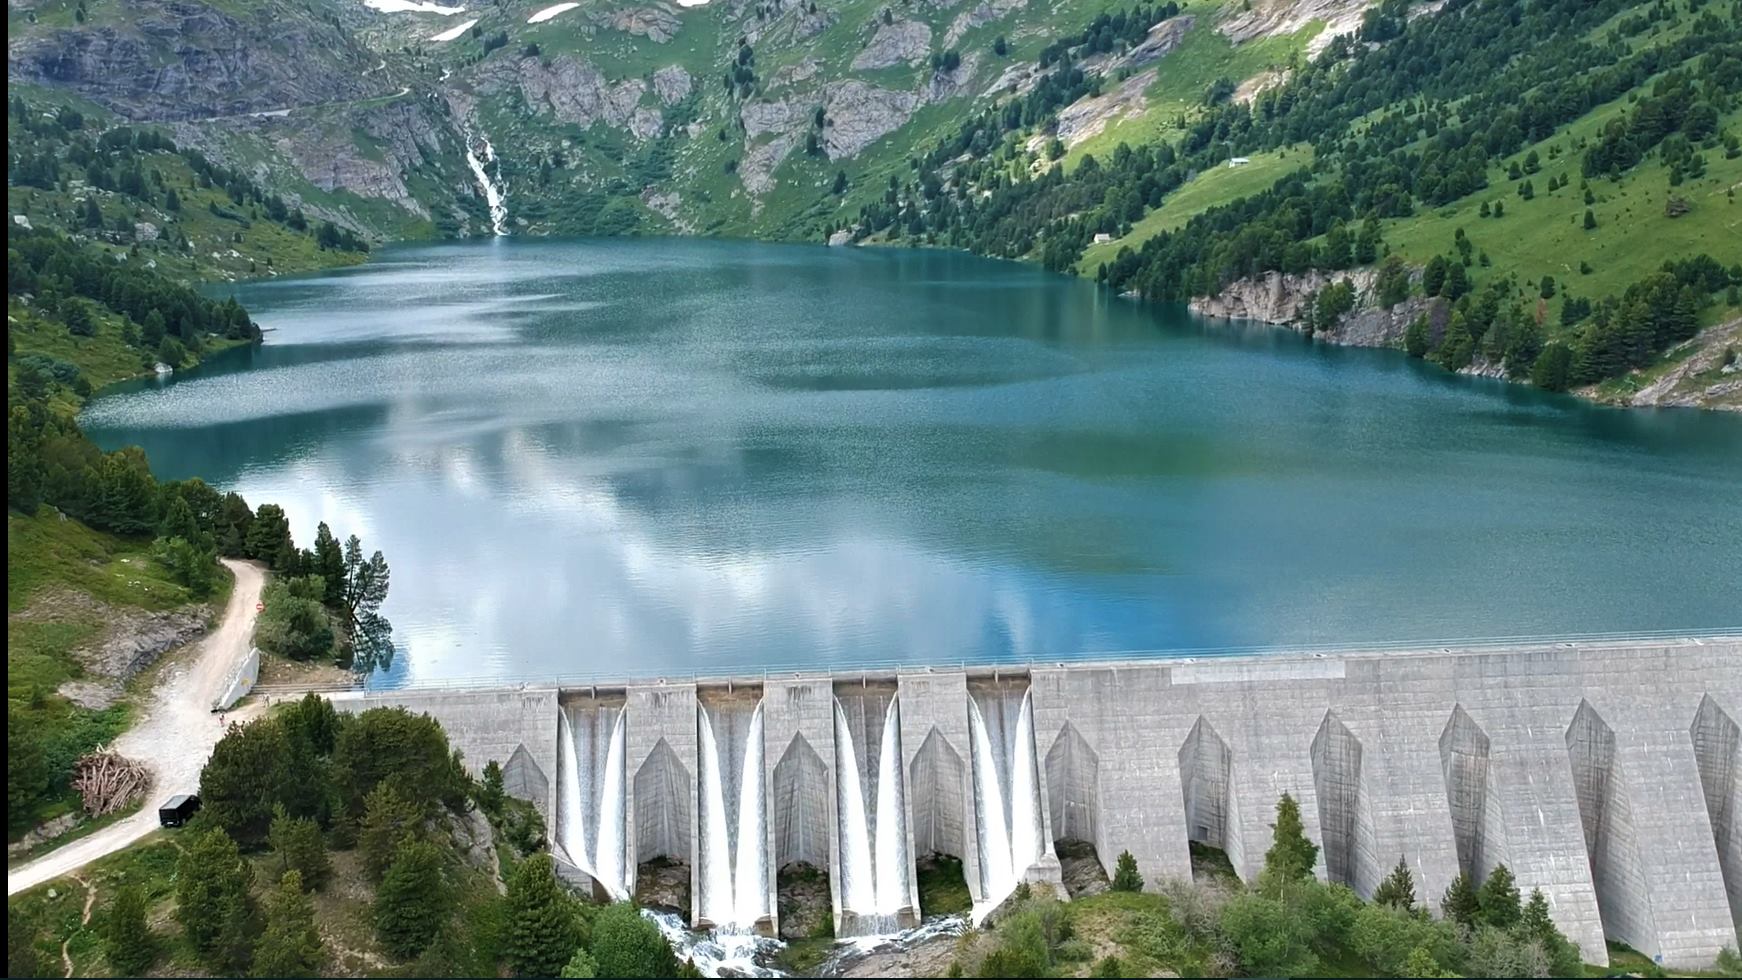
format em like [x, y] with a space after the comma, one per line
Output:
[1277, 298]
[572, 90]
[181, 59]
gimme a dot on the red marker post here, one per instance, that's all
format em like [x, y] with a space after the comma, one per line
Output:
[260, 607]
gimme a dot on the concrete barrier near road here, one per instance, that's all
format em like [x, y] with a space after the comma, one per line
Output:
[240, 681]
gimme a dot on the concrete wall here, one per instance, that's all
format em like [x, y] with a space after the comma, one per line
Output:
[1608, 775]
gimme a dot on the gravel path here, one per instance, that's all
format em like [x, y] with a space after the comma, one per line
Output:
[173, 739]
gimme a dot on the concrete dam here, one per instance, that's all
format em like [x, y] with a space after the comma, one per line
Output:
[1608, 774]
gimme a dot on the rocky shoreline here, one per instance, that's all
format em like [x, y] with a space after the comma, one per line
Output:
[1276, 298]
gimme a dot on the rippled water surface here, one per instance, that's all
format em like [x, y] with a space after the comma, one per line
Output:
[677, 456]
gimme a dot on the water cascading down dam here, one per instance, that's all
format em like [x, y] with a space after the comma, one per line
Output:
[591, 805]
[732, 879]
[876, 889]
[1007, 805]
[1606, 772]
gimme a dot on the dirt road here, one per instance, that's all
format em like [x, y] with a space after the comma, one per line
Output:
[175, 736]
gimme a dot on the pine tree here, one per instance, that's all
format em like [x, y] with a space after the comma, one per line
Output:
[542, 934]
[1108, 966]
[1498, 899]
[298, 844]
[329, 563]
[1590, 219]
[490, 792]
[1398, 888]
[388, 818]
[1416, 341]
[1535, 920]
[290, 946]
[1459, 904]
[1291, 856]
[1125, 876]
[127, 938]
[213, 901]
[413, 902]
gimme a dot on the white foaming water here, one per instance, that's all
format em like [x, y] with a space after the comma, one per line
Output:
[717, 954]
[589, 824]
[893, 867]
[609, 861]
[748, 866]
[733, 870]
[996, 876]
[858, 875]
[716, 849]
[493, 194]
[571, 835]
[874, 866]
[1026, 846]
[1010, 827]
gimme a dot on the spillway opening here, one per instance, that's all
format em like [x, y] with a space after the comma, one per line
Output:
[734, 879]
[1476, 827]
[1008, 813]
[1718, 752]
[876, 888]
[1606, 811]
[1206, 776]
[1344, 822]
[590, 833]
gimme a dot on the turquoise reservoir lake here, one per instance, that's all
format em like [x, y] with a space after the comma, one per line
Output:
[677, 456]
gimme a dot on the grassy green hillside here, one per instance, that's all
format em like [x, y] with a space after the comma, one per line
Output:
[68, 587]
[76, 168]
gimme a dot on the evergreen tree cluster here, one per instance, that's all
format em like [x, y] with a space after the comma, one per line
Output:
[140, 168]
[1409, 114]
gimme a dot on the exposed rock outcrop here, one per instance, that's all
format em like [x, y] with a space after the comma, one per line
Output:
[1088, 116]
[646, 123]
[942, 85]
[757, 170]
[1701, 378]
[902, 42]
[1162, 38]
[663, 885]
[657, 23]
[861, 114]
[1269, 18]
[571, 90]
[777, 116]
[984, 12]
[672, 84]
[1277, 297]
[805, 906]
[177, 59]
[405, 135]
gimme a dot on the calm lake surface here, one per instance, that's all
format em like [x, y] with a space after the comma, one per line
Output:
[692, 456]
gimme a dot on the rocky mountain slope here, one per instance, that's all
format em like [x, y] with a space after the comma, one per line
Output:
[983, 124]
[731, 116]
